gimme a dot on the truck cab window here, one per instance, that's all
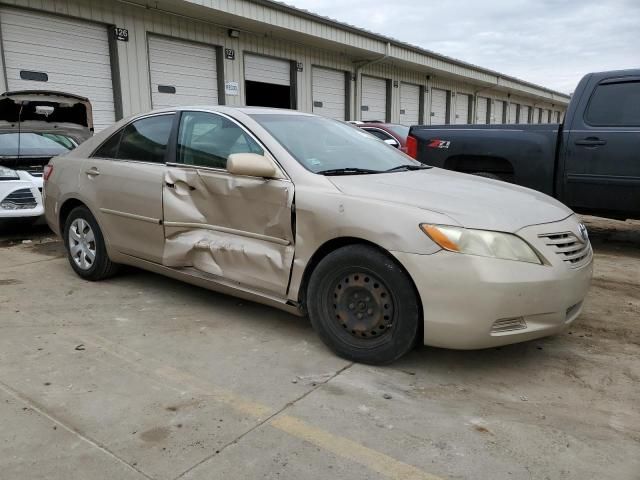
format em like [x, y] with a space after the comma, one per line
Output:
[615, 105]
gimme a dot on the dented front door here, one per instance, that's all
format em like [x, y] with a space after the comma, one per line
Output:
[233, 229]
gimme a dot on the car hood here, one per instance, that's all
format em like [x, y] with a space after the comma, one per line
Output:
[46, 111]
[470, 201]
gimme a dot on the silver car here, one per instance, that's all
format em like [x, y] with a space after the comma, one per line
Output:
[317, 217]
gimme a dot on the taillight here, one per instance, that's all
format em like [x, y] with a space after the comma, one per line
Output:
[412, 147]
[48, 170]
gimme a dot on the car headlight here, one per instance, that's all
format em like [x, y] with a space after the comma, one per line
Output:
[481, 242]
[8, 174]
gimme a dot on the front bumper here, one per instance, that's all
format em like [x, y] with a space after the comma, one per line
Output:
[27, 191]
[472, 302]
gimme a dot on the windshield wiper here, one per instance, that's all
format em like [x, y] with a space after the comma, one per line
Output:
[407, 168]
[348, 171]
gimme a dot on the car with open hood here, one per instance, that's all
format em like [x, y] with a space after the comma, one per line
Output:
[34, 127]
[318, 217]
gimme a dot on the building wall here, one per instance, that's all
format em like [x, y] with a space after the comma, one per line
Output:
[133, 65]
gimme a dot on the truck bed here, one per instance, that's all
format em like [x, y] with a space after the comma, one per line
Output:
[519, 153]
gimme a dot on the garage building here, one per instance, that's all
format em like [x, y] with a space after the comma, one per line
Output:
[130, 56]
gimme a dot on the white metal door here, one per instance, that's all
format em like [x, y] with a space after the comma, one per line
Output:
[545, 116]
[513, 113]
[462, 109]
[409, 104]
[48, 52]
[536, 115]
[267, 70]
[329, 93]
[498, 112]
[524, 114]
[374, 99]
[182, 73]
[438, 106]
[481, 110]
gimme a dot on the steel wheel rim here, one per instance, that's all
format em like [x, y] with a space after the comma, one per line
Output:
[82, 244]
[363, 306]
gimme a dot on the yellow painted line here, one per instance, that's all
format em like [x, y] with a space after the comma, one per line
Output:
[342, 447]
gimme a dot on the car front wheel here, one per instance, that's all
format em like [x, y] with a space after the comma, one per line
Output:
[363, 305]
[85, 246]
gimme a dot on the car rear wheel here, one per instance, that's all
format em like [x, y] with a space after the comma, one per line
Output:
[85, 246]
[363, 305]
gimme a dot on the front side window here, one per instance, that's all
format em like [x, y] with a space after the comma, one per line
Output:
[615, 105]
[207, 140]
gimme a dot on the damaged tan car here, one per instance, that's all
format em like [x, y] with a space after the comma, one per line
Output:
[316, 216]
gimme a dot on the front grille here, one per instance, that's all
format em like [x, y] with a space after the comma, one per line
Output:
[18, 200]
[35, 166]
[574, 251]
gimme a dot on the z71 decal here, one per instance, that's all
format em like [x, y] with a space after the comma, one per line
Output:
[437, 143]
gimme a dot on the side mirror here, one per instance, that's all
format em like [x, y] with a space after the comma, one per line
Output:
[392, 142]
[251, 165]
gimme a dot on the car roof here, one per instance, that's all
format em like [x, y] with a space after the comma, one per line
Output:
[228, 109]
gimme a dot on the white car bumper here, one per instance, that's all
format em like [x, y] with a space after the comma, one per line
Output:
[472, 302]
[21, 198]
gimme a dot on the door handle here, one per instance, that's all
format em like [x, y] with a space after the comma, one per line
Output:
[92, 172]
[173, 186]
[591, 142]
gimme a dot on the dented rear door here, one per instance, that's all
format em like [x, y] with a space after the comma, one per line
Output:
[233, 229]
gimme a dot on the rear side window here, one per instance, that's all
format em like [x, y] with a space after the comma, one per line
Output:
[615, 105]
[144, 140]
[109, 149]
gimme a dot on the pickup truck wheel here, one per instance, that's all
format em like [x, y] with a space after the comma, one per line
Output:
[85, 246]
[492, 176]
[363, 305]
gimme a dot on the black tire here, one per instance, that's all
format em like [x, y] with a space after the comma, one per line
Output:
[101, 267]
[492, 176]
[361, 280]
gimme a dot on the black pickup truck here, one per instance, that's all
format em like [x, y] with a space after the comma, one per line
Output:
[591, 162]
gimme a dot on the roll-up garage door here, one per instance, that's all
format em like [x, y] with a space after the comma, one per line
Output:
[524, 114]
[267, 70]
[438, 106]
[268, 82]
[409, 104]
[182, 73]
[462, 109]
[482, 109]
[329, 93]
[545, 116]
[536, 115]
[374, 99]
[48, 52]
[498, 112]
[513, 113]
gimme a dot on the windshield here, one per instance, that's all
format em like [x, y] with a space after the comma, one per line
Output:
[33, 144]
[322, 145]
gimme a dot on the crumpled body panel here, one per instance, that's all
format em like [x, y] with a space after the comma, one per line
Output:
[232, 227]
